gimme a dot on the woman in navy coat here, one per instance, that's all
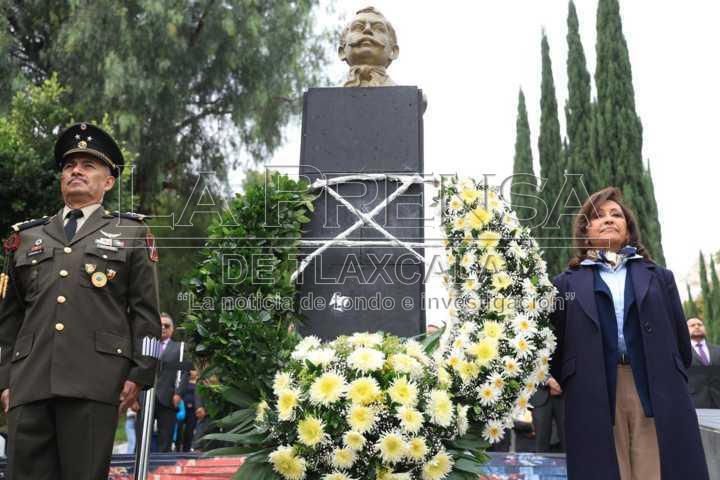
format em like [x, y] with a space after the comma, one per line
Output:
[622, 354]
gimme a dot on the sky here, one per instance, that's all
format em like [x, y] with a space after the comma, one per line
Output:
[470, 59]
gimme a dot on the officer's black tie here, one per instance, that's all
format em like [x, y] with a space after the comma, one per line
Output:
[71, 225]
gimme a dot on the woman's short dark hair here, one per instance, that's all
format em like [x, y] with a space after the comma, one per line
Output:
[589, 211]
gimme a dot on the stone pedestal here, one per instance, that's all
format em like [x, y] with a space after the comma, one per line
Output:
[347, 131]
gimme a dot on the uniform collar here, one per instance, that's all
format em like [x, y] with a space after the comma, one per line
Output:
[87, 210]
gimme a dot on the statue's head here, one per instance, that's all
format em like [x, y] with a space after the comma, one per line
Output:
[369, 39]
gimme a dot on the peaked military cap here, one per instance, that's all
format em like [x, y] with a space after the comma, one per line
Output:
[91, 140]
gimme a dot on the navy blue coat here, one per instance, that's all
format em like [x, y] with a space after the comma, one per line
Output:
[581, 367]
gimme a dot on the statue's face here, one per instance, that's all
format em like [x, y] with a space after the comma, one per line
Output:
[368, 42]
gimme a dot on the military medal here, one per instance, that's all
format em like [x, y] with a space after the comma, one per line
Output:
[90, 268]
[111, 273]
[99, 279]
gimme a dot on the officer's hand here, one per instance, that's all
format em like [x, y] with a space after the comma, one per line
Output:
[5, 398]
[176, 400]
[135, 407]
[554, 387]
[200, 413]
[128, 396]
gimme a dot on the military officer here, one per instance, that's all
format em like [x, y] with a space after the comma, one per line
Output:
[79, 319]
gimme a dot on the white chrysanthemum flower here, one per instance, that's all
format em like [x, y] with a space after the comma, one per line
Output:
[404, 363]
[459, 224]
[261, 411]
[467, 260]
[493, 330]
[286, 463]
[468, 327]
[493, 431]
[522, 346]
[440, 408]
[417, 351]
[281, 382]
[492, 261]
[532, 306]
[523, 325]
[305, 346]
[364, 390]
[522, 401]
[287, 402]
[403, 392]
[336, 476]
[327, 389]
[366, 359]
[510, 221]
[391, 447]
[517, 251]
[470, 284]
[354, 440]
[437, 467]
[411, 420]
[361, 418]
[311, 431]
[529, 287]
[511, 367]
[488, 394]
[462, 419]
[417, 449]
[497, 381]
[468, 371]
[321, 357]
[365, 339]
[343, 458]
[456, 204]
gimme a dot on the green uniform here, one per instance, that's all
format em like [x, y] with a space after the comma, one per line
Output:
[78, 319]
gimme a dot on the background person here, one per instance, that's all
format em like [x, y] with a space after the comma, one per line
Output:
[622, 353]
[704, 392]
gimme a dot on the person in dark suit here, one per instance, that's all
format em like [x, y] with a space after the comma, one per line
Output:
[79, 319]
[622, 353]
[167, 390]
[548, 406]
[704, 393]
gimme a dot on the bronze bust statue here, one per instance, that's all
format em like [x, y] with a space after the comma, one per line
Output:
[368, 44]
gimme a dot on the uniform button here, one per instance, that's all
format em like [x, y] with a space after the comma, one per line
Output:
[119, 350]
[59, 327]
[64, 273]
[34, 262]
[61, 299]
[105, 257]
[67, 250]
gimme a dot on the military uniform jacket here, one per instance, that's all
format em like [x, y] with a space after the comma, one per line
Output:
[61, 332]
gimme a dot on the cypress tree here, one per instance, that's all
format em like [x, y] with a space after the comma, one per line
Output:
[551, 168]
[578, 109]
[714, 290]
[618, 127]
[708, 311]
[524, 183]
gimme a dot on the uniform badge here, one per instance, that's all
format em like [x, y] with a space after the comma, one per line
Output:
[35, 250]
[99, 279]
[110, 235]
[39, 241]
[90, 268]
[106, 244]
[152, 249]
[111, 273]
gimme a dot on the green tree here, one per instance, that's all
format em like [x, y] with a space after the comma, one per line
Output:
[551, 169]
[618, 127]
[523, 187]
[714, 289]
[578, 110]
[186, 84]
[708, 311]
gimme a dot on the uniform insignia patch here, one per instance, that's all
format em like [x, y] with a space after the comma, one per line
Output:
[110, 235]
[152, 249]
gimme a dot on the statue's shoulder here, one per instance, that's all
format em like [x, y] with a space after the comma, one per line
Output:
[135, 217]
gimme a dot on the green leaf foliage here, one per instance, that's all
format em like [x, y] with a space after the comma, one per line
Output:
[253, 248]
[524, 182]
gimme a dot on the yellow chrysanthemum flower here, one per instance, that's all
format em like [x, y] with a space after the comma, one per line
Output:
[411, 420]
[459, 223]
[360, 418]
[261, 410]
[392, 448]
[444, 377]
[501, 281]
[456, 203]
[468, 371]
[287, 401]
[286, 463]
[438, 467]
[327, 389]
[282, 381]
[343, 458]
[364, 390]
[484, 351]
[403, 391]
[404, 363]
[477, 218]
[336, 476]
[488, 239]
[417, 449]
[354, 440]
[492, 261]
[311, 431]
